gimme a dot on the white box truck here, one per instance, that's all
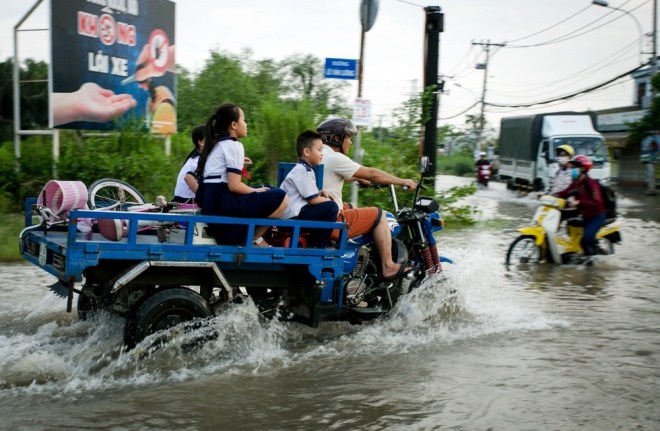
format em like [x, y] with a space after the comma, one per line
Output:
[527, 147]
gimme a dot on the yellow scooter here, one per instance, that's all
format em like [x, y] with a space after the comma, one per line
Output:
[543, 240]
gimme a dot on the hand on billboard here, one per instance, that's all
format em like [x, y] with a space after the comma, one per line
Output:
[90, 103]
[152, 63]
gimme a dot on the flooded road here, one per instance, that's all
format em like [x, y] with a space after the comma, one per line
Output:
[547, 348]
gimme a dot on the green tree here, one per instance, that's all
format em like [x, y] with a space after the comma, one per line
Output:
[303, 80]
[34, 96]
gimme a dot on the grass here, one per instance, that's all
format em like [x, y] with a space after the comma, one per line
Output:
[9, 231]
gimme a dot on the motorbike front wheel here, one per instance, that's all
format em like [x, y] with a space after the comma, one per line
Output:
[523, 250]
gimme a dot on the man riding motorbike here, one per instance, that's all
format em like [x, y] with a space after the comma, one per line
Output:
[339, 168]
[483, 169]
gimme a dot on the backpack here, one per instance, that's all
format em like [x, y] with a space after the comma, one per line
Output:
[609, 200]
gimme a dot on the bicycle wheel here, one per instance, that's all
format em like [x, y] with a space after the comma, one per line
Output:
[523, 251]
[110, 193]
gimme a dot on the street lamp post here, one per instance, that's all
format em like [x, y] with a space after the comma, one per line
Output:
[650, 167]
[604, 3]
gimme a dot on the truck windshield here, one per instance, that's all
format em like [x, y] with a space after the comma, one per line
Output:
[587, 146]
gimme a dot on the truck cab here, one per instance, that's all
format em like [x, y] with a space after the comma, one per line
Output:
[528, 144]
[592, 146]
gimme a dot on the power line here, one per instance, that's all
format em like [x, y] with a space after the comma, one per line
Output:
[551, 27]
[462, 112]
[611, 60]
[568, 96]
[574, 33]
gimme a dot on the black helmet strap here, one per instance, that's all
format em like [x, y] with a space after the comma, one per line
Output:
[335, 141]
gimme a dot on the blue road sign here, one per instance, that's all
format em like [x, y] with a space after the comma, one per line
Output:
[341, 68]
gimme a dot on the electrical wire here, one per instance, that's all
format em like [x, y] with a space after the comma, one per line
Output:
[551, 27]
[612, 60]
[568, 96]
[462, 112]
[573, 34]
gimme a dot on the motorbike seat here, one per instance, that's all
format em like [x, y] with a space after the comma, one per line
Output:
[575, 221]
[579, 222]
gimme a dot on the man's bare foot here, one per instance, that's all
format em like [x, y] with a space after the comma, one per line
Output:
[395, 270]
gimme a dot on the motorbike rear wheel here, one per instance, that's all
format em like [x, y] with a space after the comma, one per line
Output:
[523, 250]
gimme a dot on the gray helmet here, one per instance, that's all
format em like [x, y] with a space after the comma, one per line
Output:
[334, 130]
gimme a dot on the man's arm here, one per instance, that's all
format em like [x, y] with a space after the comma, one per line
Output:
[377, 176]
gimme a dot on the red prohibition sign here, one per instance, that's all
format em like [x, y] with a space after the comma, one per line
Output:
[107, 29]
[159, 50]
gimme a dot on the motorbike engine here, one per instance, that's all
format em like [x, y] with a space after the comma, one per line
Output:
[363, 277]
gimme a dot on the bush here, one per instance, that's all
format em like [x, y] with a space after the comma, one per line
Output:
[457, 164]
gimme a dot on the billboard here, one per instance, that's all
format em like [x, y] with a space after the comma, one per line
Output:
[112, 61]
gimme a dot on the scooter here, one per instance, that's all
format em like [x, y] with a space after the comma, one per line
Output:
[483, 175]
[543, 239]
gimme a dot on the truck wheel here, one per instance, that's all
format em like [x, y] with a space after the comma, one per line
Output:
[165, 309]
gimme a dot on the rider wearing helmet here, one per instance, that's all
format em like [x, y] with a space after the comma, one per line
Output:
[562, 177]
[588, 201]
[482, 160]
[338, 168]
[334, 130]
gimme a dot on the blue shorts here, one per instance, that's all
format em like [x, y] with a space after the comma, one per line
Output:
[325, 211]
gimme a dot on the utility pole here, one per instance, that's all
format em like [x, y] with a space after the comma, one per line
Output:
[435, 25]
[483, 66]
[650, 167]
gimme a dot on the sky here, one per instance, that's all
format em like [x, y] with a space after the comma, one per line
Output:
[553, 48]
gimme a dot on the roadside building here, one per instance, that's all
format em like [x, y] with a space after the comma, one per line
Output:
[613, 124]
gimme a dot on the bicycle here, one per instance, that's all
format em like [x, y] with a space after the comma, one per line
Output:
[110, 193]
[58, 198]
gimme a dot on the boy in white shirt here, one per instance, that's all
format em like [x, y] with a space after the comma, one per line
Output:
[306, 201]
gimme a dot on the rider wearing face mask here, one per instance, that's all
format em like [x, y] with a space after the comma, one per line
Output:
[562, 177]
[588, 201]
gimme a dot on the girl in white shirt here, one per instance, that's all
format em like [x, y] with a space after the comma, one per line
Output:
[221, 190]
[186, 182]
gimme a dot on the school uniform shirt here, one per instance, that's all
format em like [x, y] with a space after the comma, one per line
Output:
[182, 190]
[227, 156]
[300, 187]
[336, 168]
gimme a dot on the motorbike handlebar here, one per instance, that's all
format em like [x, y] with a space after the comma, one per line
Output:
[380, 186]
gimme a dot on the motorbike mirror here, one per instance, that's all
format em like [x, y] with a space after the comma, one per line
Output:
[423, 164]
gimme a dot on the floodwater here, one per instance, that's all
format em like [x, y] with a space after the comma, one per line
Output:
[547, 348]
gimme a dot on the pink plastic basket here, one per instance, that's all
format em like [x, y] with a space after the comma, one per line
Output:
[63, 196]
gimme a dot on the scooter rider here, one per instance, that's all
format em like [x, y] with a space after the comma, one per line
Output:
[587, 200]
[482, 160]
[336, 134]
[482, 169]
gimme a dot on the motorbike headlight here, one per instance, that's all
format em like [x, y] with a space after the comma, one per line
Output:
[428, 205]
[437, 221]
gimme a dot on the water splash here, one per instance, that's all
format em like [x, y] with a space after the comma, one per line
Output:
[45, 350]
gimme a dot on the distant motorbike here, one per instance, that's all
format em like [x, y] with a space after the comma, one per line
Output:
[543, 240]
[483, 175]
